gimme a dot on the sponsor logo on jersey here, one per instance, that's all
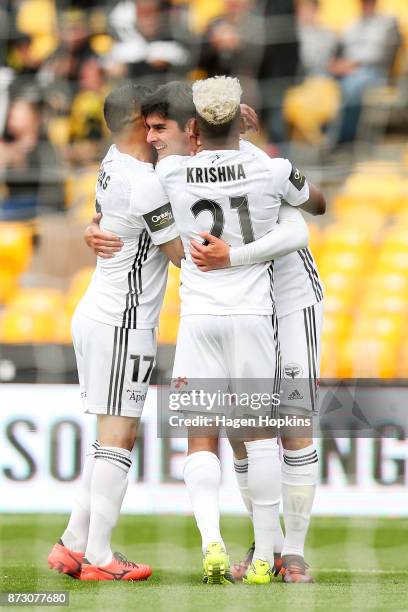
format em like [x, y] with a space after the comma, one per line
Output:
[297, 179]
[135, 396]
[292, 371]
[160, 218]
[221, 174]
[295, 395]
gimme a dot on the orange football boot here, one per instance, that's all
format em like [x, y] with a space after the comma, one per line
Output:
[65, 560]
[118, 569]
[294, 569]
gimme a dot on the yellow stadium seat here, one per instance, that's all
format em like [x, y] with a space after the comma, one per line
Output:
[392, 261]
[38, 300]
[80, 189]
[18, 325]
[171, 296]
[340, 283]
[101, 43]
[344, 237]
[311, 105]
[346, 262]
[168, 328]
[402, 365]
[396, 239]
[368, 358]
[379, 326]
[354, 210]
[63, 331]
[8, 285]
[336, 327]
[42, 46]
[15, 247]
[338, 303]
[338, 15]
[314, 238]
[329, 358]
[384, 190]
[376, 304]
[36, 17]
[201, 13]
[387, 283]
[77, 288]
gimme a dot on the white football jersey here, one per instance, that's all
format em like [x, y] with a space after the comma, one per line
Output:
[296, 279]
[127, 290]
[235, 196]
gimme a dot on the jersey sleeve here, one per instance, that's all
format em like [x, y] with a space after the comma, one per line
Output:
[150, 202]
[289, 234]
[290, 182]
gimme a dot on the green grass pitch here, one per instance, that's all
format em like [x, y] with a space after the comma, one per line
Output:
[359, 564]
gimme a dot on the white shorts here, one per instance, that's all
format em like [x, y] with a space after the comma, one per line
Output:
[114, 366]
[241, 350]
[300, 343]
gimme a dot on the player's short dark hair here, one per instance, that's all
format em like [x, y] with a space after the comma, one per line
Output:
[123, 105]
[173, 100]
[219, 132]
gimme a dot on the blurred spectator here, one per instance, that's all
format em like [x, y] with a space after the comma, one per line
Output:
[145, 43]
[29, 166]
[318, 45]
[279, 67]
[368, 50]
[73, 50]
[233, 42]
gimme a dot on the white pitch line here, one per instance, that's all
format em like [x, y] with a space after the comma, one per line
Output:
[342, 570]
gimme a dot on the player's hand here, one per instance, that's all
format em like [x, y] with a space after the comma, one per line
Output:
[210, 256]
[103, 244]
[249, 119]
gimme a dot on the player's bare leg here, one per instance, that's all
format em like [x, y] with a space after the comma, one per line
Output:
[241, 469]
[299, 478]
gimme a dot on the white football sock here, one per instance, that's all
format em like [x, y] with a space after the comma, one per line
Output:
[202, 475]
[108, 487]
[278, 537]
[264, 489]
[299, 478]
[75, 535]
[241, 472]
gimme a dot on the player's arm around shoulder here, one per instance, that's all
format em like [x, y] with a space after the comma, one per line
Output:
[289, 234]
[293, 187]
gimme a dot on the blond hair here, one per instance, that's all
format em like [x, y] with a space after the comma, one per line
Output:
[217, 99]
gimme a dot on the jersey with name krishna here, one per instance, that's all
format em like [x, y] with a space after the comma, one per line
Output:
[127, 290]
[235, 196]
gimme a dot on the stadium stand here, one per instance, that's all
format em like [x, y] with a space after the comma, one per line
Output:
[70, 58]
